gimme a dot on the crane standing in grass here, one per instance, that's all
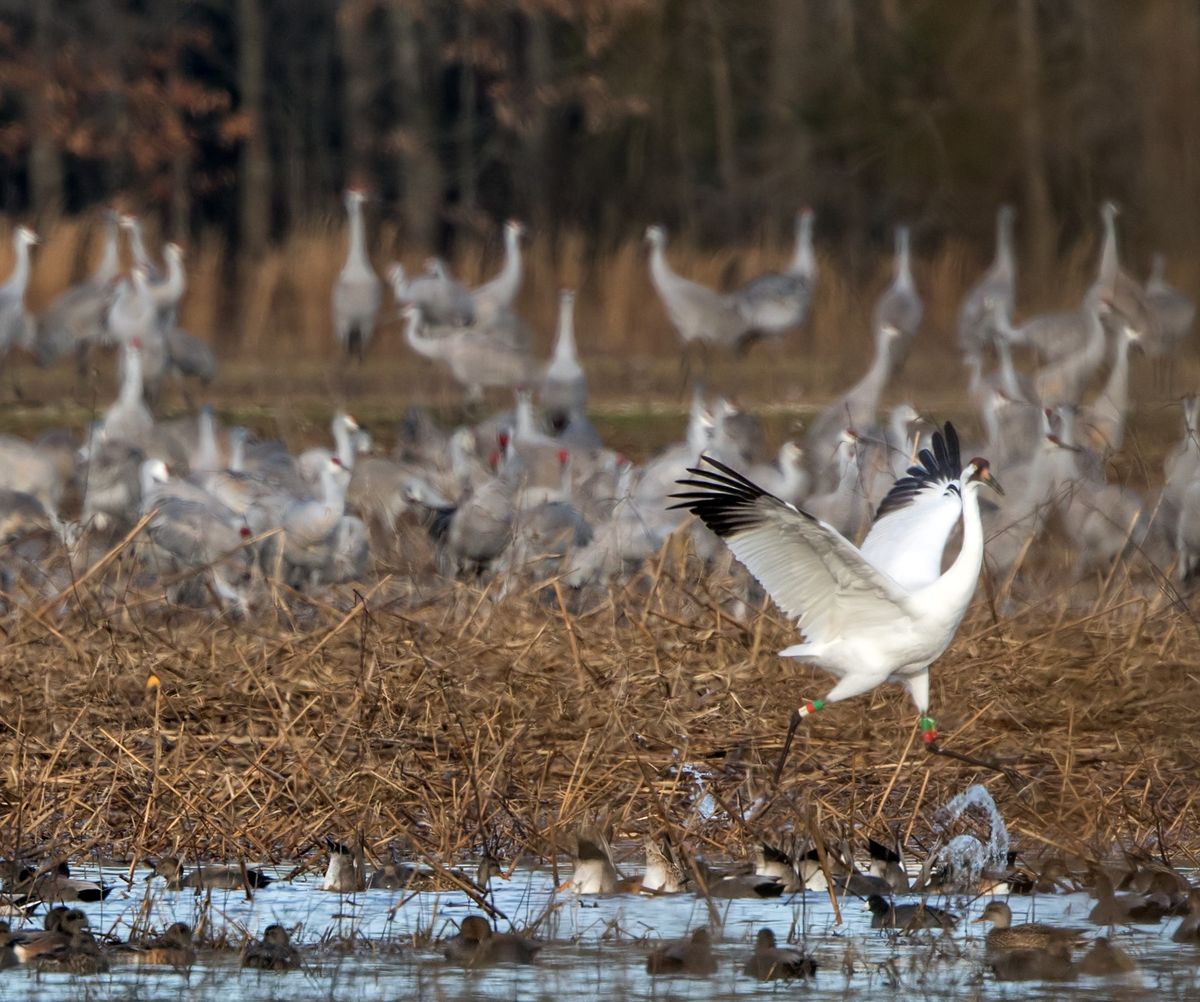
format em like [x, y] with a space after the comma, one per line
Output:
[358, 291]
[882, 613]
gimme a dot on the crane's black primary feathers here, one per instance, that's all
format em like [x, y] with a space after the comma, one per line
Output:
[941, 466]
[725, 501]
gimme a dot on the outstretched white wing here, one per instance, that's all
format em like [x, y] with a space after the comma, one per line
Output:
[811, 571]
[915, 520]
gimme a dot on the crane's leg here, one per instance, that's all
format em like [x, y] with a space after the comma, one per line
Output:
[918, 687]
[797, 716]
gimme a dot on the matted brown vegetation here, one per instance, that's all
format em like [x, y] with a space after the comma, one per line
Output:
[446, 718]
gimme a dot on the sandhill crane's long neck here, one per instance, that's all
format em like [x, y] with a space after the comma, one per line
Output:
[660, 271]
[1008, 373]
[1116, 387]
[1005, 263]
[207, 456]
[342, 442]
[237, 450]
[19, 278]
[904, 279]
[421, 345]
[564, 339]
[332, 491]
[174, 287]
[138, 246]
[524, 430]
[356, 255]
[1109, 263]
[869, 389]
[110, 261]
[510, 274]
[804, 261]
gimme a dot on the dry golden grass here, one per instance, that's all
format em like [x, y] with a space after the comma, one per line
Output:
[436, 716]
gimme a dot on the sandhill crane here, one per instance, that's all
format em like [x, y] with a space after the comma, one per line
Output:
[564, 386]
[788, 479]
[112, 484]
[845, 508]
[196, 532]
[1104, 418]
[309, 526]
[867, 619]
[128, 419]
[699, 315]
[1186, 535]
[900, 306]
[16, 325]
[312, 462]
[132, 226]
[1116, 285]
[75, 319]
[475, 360]
[777, 302]
[1063, 381]
[996, 289]
[1174, 314]
[133, 316]
[357, 291]
[29, 469]
[496, 297]
[189, 357]
[442, 298]
[858, 406]
[167, 293]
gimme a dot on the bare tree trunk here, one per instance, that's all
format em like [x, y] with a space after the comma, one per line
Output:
[722, 98]
[1038, 222]
[254, 208]
[788, 142]
[45, 161]
[466, 113]
[356, 132]
[420, 170]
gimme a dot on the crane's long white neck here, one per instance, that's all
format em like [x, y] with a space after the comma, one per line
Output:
[804, 260]
[524, 430]
[416, 341]
[207, 455]
[19, 279]
[660, 271]
[333, 492]
[343, 442]
[904, 279]
[1109, 263]
[176, 284]
[138, 246]
[1005, 263]
[110, 260]
[564, 338]
[958, 582]
[356, 256]
[131, 385]
[237, 450]
[510, 274]
[869, 389]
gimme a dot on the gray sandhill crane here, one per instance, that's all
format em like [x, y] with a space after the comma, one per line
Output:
[879, 614]
[189, 357]
[443, 299]
[1181, 468]
[474, 359]
[128, 419]
[857, 407]
[312, 462]
[1186, 536]
[997, 288]
[1064, 381]
[112, 484]
[698, 314]
[167, 294]
[474, 533]
[133, 316]
[1117, 285]
[27, 468]
[1053, 336]
[75, 319]
[900, 306]
[17, 328]
[496, 297]
[788, 478]
[778, 301]
[196, 532]
[310, 525]
[564, 385]
[132, 226]
[357, 291]
[384, 490]
[1103, 420]
[1174, 313]
[845, 508]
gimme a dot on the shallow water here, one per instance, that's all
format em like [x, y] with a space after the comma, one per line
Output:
[597, 948]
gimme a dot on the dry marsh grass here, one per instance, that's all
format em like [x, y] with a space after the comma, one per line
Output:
[439, 718]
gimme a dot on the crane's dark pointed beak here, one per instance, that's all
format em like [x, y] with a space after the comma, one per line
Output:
[991, 481]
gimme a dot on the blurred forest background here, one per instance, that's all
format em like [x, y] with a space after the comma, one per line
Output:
[234, 124]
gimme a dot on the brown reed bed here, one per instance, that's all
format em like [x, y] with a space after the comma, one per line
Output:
[438, 718]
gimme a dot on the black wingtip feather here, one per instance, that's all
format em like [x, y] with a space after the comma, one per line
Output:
[724, 500]
[941, 465]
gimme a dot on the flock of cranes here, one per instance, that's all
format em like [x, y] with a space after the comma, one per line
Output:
[532, 492]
